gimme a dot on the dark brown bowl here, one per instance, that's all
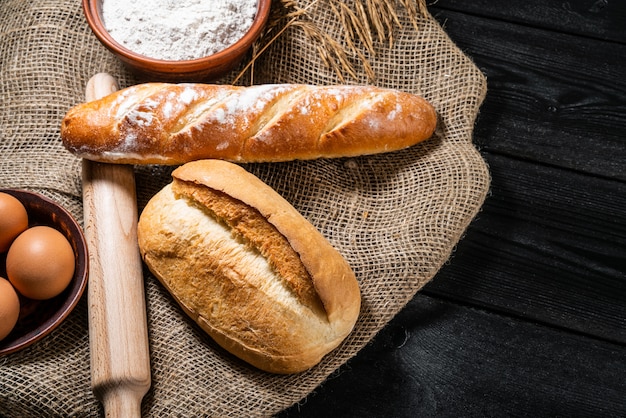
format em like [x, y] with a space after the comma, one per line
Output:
[197, 70]
[39, 317]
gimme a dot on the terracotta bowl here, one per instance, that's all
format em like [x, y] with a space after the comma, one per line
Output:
[39, 317]
[197, 70]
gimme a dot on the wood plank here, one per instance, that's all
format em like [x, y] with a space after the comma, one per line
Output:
[599, 19]
[548, 245]
[439, 359]
[553, 98]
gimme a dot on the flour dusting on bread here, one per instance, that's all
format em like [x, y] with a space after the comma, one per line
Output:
[177, 123]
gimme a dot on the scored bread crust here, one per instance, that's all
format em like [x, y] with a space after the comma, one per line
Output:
[162, 123]
[209, 238]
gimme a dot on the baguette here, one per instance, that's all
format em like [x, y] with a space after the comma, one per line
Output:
[247, 267]
[171, 124]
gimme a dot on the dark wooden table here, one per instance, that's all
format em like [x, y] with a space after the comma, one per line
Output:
[529, 316]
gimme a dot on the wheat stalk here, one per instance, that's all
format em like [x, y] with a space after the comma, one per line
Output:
[363, 24]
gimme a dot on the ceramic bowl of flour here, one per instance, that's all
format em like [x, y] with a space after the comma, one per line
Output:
[187, 40]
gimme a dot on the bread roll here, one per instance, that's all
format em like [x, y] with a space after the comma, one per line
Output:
[247, 267]
[159, 123]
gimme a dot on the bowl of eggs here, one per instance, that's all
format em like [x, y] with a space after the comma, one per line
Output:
[43, 267]
[189, 41]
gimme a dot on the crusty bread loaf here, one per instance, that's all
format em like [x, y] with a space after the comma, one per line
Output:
[159, 123]
[247, 267]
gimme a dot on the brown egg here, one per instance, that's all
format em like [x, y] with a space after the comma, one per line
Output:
[13, 220]
[40, 263]
[9, 308]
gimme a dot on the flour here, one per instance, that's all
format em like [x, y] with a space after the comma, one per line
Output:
[177, 30]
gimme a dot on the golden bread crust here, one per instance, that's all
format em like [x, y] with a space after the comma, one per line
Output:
[160, 123]
[248, 268]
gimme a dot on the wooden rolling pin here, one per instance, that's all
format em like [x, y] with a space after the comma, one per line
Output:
[118, 332]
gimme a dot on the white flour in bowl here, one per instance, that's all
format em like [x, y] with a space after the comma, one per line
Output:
[176, 30]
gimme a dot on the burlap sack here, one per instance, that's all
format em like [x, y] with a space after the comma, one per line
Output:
[395, 217]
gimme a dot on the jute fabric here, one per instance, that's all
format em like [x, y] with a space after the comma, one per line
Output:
[395, 217]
